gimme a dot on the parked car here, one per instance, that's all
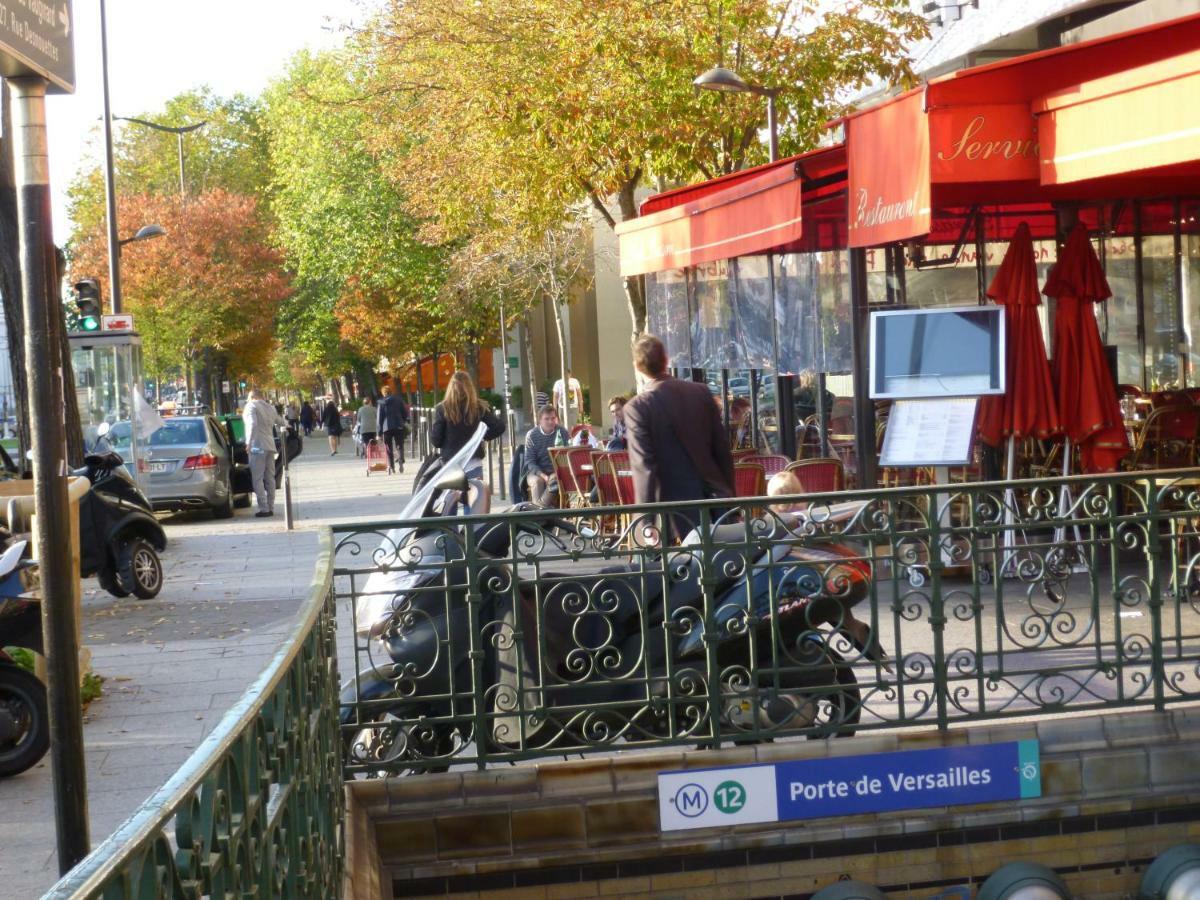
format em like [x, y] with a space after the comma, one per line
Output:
[191, 465]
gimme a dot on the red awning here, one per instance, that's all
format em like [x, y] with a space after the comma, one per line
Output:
[750, 216]
[972, 137]
[1142, 119]
[756, 210]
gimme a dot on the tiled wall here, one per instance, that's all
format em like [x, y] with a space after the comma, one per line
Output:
[1117, 789]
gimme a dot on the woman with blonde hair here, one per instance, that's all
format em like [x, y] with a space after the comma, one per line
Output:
[458, 416]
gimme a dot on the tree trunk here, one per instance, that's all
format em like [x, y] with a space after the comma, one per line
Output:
[562, 360]
[635, 285]
[471, 361]
[530, 359]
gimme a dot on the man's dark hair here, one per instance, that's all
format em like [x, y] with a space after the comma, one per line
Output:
[619, 400]
[649, 355]
[547, 410]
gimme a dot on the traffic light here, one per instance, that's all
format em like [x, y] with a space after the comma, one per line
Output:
[87, 304]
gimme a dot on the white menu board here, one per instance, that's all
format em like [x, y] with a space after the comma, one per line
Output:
[929, 432]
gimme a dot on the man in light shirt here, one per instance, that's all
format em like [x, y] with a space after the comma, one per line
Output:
[260, 417]
[569, 392]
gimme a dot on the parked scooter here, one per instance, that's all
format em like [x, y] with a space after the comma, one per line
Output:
[120, 538]
[588, 672]
[24, 718]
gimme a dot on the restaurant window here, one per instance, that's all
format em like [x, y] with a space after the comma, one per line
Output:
[714, 344]
[1161, 300]
[1118, 315]
[1189, 226]
[751, 313]
[668, 316]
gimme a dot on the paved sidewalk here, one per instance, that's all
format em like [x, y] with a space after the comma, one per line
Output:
[175, 664]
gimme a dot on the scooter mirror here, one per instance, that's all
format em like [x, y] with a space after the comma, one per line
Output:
[452, 479]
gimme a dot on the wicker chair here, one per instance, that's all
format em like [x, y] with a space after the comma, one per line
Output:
[819, 475]
[1167, 439]
[772, 463]
[572, 493]
[749, 480]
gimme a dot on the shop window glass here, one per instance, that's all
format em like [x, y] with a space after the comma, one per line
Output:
[813, 311]
[1161, 305]
[751, 313]
[715, 343]
[1118, 315]
[1190, 247]
[668, 316]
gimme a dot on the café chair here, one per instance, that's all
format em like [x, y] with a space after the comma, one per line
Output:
[819, 475]
[772, 463]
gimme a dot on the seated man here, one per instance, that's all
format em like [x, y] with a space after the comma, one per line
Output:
[616, 408]
[539, 469]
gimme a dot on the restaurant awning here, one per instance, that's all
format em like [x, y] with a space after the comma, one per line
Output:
[1037, 128]
[735, 220]
[741, 214]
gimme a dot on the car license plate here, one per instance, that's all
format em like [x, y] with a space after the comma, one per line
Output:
[160, 467]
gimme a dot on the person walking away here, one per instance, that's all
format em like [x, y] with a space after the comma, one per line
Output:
[307, 417]
[259, 418]
[393, 423]
[291, 414]
[331, 418]
[539, 469]
[616, 409]
[368, 421]
[457, 417]
[568, 391]
[678, 446]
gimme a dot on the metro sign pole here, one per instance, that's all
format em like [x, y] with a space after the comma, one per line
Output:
[36, 55]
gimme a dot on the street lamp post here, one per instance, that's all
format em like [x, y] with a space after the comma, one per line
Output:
[179, 132]
[726, 81]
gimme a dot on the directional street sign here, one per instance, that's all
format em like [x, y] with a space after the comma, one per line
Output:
[36, 39]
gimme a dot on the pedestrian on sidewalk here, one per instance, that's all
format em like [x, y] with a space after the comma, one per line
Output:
[260, 418]
[393, 423]
[307, 417]
[368, 421]
[456, 419]
[331, 418]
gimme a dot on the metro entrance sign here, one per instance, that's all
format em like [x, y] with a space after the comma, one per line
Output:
[848, 785]
[35, 39]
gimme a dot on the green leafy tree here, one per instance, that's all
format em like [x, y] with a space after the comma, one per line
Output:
[524, 108]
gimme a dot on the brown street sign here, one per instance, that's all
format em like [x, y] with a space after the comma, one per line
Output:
[36, 39]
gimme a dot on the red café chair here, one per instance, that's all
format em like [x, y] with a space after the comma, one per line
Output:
[570, 493]
[606, 469]
[820, 475]
[772, 463]
[749, 480]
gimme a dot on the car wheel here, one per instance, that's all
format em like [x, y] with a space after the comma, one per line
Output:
[139, 569]
[224, 509]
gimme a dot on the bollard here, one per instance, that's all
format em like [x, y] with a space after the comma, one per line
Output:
[1024, 881]
[849, 890]
[1174, 875]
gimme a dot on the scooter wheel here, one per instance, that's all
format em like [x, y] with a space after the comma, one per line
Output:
[110, 582]
[139, 569]
[23, 699]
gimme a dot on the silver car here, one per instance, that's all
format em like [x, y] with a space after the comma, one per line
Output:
[190, 465]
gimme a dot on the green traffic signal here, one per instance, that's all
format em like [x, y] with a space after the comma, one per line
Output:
[87, 304]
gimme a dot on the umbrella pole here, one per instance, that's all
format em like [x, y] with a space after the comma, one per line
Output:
[1009, 541]
[1064, 500]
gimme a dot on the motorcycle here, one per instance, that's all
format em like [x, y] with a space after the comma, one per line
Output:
[120, 538]
[615, 650]
[24, 717]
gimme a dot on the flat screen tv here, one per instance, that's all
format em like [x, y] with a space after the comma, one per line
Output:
[951, 352]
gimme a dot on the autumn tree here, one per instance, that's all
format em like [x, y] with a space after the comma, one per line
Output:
[212, 284]
[527, 107]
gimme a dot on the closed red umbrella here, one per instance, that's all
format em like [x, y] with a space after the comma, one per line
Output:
[1028, 407]
[1087, 397]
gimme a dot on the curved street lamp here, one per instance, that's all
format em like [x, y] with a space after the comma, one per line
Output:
[178, 131]
[726, 81]
[145, 233]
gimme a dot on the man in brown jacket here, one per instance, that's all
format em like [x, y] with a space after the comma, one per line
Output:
[678, 447]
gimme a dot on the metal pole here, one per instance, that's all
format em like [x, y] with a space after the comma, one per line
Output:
[864, 409]
[772, 127]
[507, 388]
[52, 524]
[287, 481]
[182, 183]
[110, 191]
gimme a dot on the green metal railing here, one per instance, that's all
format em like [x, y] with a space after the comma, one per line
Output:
[257, 810]
[495, 638]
